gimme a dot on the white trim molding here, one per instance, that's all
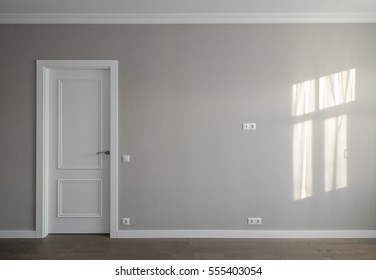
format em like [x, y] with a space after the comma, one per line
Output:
[217, 234]
[185, 18]
[17, 234]
[246, 234]
[42, 147]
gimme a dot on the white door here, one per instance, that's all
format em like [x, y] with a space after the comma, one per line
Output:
[79, 132]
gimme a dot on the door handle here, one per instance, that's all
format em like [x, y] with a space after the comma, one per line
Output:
[106, 153]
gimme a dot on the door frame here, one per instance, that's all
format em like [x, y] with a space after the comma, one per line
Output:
[42, 136]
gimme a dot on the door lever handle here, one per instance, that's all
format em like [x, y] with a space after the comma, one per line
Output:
[106, 153]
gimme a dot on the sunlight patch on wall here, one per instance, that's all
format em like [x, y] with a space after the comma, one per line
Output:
[333, 90]
[302, 160]
[303, 98]
[303, 102]
[335, 153]
[337, 89]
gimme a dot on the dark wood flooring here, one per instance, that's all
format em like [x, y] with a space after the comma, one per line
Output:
[93, 247]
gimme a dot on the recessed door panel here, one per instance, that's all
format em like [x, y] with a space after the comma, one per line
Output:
[79, 124]
[70, 202]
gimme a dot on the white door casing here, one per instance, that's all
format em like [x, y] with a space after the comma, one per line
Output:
[76, 188]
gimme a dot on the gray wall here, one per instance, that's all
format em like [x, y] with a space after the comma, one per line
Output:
[184, 92]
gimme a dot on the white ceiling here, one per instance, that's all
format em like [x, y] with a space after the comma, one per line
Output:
[185, 6]
[39, 9]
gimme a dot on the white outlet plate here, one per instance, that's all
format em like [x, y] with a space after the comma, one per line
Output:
[125, 221]
[254, 221]
[249, 126]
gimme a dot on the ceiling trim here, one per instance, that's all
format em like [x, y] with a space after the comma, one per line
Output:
[175, 18]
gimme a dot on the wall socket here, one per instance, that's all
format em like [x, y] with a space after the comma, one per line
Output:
[254, 221]
[249, 126]
[125, 221]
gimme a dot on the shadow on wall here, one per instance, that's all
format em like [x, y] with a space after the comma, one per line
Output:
[307, 99]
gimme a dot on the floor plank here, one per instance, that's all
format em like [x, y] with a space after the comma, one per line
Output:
[91, 247]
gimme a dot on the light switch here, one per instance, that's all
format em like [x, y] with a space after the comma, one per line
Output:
[125, 158]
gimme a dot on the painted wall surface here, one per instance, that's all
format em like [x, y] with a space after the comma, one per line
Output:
[184, 92]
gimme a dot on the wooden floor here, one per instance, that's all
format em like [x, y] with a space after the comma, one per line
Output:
[90, 247]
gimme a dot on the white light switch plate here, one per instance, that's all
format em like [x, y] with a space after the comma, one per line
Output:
[125, 158]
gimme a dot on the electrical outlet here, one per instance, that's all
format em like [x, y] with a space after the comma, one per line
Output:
[254, 221]
[125, 221]
[249, 126]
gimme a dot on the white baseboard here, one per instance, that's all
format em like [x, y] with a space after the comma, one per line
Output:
[185, 18]
[218, 234]
[17, 234]
[246, 234]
